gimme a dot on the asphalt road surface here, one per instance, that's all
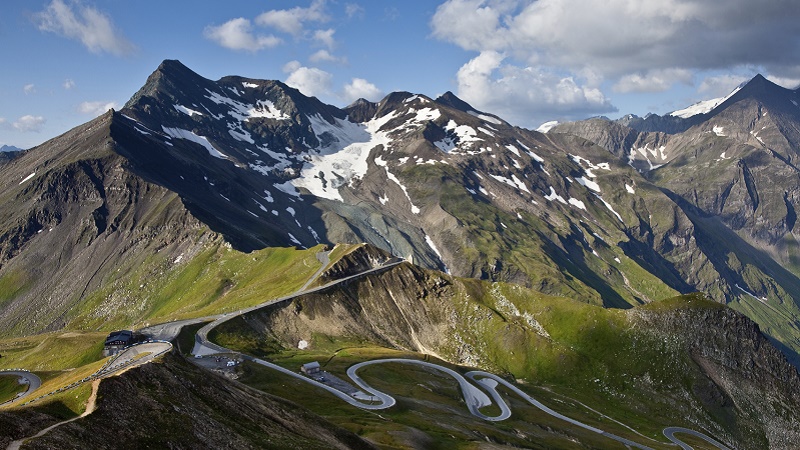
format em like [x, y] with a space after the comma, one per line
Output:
[670, 434]
[24, 377]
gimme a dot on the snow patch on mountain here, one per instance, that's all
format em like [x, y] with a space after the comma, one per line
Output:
[610, 208]
[425, 114]
[485, 117]
[553, 196]
[28, 177]
[589, 166]
[188, 111]
[342, 155]
[644, 151]
[391, 176]
[244, 112]
[190, 136]
[288, 188]
[241, 135]
[701, 107]
[485, 131]
[719, 131]
[577, 203]
[466, 134]
[705, 106]
[430, 243]
[513, 182]
[513, 149]
[547, 126]
[583, 181]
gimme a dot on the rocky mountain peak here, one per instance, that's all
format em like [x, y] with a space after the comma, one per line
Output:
[450, 99]
[761, 90]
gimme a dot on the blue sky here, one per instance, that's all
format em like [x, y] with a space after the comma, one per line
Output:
[529, 61]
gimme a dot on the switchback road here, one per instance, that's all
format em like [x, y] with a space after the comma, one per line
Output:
[373, 399]
[24, 377]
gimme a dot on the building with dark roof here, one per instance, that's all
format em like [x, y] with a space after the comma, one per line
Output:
[311, 368]
[116, 341]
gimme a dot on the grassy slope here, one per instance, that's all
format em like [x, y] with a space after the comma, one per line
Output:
[9, 387]
[216, 280]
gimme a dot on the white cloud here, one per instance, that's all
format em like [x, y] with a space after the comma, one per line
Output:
[653, 80]
[354, 10]
[721, 85]
[526, 95]
[291, 66]
[68, 84]
[325, 37]
[292, 20]
[237, 34]
[471, 24]
[95, 108]
[787, 82]
[29, 89]
[361, 88]
[617, 38]
[86, 24]
[29, 123]
[325, 56]
[311, 81]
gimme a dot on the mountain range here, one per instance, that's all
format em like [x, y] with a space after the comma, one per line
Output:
[614, 213]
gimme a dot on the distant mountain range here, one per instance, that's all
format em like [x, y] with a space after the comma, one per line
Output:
[9, 148]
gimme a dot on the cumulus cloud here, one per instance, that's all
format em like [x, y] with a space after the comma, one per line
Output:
[68, 84]
[311, 81]
[325, 56]
[361, 88]
[95, 108]
[29, 123]
[29, 89]
[92, 28]
[526, 95]
[618, 38]
[237, 34]
[325, 37]
[354, 10]
[292, 20]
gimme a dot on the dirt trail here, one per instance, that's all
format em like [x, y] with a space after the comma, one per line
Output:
[90, 407]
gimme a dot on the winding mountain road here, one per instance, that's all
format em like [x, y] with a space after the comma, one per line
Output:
[24, 377]
[372, 399]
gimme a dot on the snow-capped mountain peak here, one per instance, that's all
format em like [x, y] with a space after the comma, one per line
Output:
[705, 106]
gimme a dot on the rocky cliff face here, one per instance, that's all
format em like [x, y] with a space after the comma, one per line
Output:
[738, 363]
